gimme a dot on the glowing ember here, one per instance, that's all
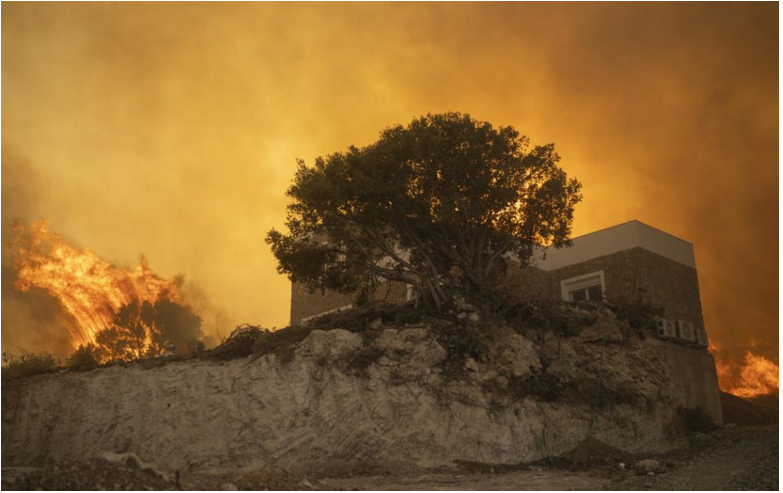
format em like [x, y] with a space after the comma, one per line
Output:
[755, 376]
[90, 289]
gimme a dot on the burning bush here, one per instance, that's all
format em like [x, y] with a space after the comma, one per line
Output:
[93, 292]
[145, 330]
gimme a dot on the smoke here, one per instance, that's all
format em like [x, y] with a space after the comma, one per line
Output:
[32, 321]
[173, 129]
[217, 323]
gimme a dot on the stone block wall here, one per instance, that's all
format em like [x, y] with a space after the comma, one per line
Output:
[306, 304]
[635, 274]
[638, 274]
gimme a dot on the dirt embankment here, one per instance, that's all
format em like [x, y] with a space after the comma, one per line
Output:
[387, 398]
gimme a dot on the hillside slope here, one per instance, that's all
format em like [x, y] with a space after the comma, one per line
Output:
[423, 395]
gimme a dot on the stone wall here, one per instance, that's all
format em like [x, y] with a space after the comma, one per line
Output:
[527, 282]
[306, 304]
[638, 274]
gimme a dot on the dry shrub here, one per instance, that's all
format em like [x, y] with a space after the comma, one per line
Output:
[551, 315]
[281, 342]
[358, 319]
[639, 314]
[27, 364]
[239, 344]
[461, 342]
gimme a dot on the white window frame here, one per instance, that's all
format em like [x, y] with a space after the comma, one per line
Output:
[582, 282]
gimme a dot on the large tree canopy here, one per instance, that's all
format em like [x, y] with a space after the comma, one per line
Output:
[439, 204]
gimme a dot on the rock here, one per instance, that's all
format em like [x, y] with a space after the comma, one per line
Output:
[603, 329]
[646, 466]
[730, 426]
[489, 375]
[375, 323]
[410, 352]
[471, 365]
[651, 473]
[132, 461]
[228, 487]
[330, 345]
[474, 317]
[462, 305]
[517, 357]
[415, 346]
[562, 362]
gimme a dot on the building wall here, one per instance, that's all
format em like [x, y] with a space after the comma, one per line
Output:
[616, 239]
[522, 283]
[305, 304]
[638, 274]
[639, 262]
[634, 275]
[671, 285]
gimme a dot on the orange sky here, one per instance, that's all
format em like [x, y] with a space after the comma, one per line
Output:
[173, 129]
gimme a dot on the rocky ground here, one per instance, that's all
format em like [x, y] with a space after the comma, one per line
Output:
[732, 458]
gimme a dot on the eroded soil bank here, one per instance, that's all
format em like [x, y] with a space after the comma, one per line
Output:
[391, 397]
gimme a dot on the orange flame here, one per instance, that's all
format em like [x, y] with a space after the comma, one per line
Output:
[755, 376]
[89, 289]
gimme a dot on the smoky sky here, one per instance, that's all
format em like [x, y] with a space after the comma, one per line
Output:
[173, 129]
[32, 320]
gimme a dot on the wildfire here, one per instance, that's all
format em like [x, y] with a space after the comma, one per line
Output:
[90, 289]
[755, 376]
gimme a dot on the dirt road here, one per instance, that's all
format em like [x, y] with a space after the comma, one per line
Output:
[734, 458]
[742, 458]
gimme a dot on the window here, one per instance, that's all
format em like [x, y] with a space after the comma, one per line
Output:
[581, 288]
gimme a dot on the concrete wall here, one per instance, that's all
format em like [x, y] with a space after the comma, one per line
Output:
[697, 387]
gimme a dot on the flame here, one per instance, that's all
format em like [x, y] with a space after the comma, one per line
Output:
[89, 289]
[755, 376]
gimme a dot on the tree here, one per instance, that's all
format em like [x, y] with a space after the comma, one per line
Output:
[440, 204]
[126, 338]
[145, 329]
[171, 323]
